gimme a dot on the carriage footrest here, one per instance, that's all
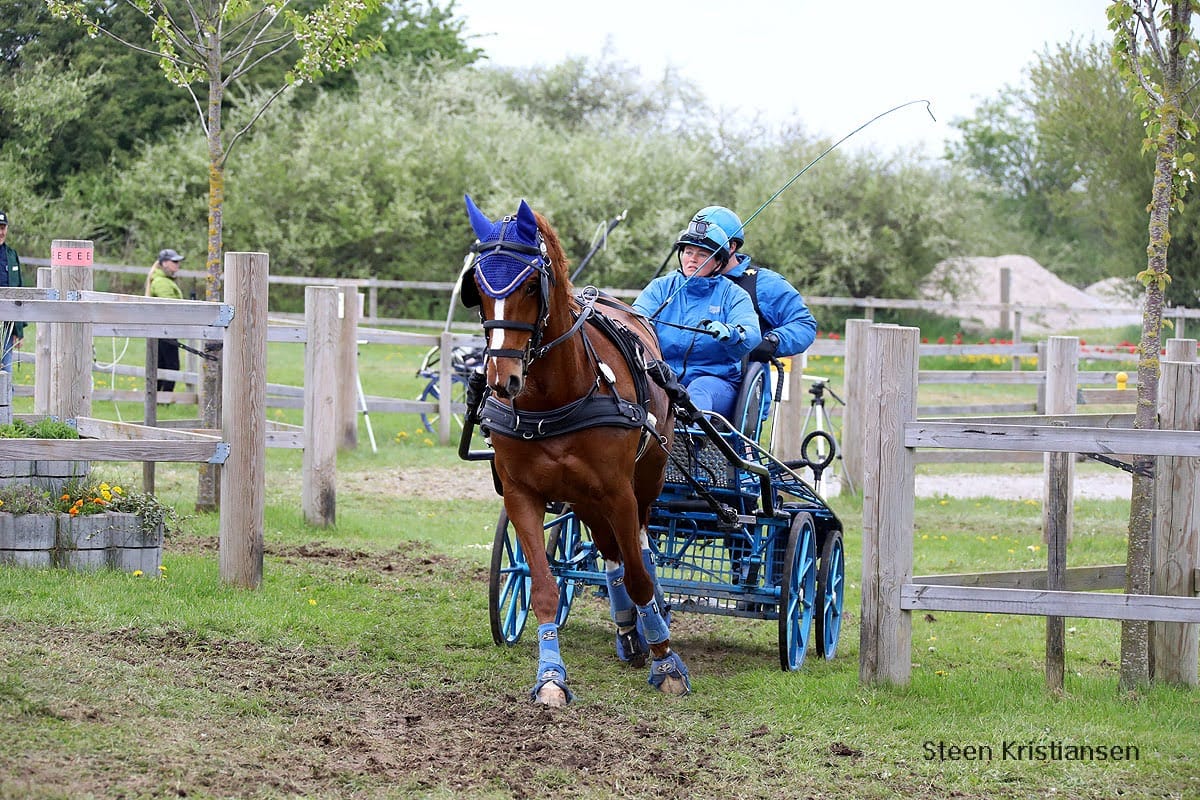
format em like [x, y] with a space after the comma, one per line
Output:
[728, 519]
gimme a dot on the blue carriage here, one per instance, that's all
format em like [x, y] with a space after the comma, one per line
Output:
[735, 532]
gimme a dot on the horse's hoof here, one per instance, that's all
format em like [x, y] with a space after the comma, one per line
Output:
[551, 695]
[673, 685]
[670, 676]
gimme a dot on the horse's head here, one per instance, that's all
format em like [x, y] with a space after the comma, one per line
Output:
[509, 281]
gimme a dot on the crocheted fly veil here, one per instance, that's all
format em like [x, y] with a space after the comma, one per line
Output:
[508, 249]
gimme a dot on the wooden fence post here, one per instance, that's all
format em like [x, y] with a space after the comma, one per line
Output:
[71, 342]
[1005, 296]
[1176, 550]
[244, 421]
[1181, 350]
[42, 355]
[150, 407]
[347, 366]
[1062, 376]
[1062, 364]
[890, 401]
[445, 386]
[787, 433]
[855, 378]
[319, 492]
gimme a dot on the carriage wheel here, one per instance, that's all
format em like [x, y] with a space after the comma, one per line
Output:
[430, 393]
[748, 414]
[564, 541]
[831, 584]
[509, 585]
[798, 592]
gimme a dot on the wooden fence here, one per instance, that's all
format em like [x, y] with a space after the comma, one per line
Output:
[1082, 388]
[891, 435]
[1008, 315]
[64, 299]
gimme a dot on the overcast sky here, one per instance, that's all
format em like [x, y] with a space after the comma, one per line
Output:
[829, 66]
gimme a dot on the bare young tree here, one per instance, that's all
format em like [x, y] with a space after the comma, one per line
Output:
[1154, 47]
[205, 47]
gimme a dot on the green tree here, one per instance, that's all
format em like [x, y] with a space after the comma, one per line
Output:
[51, 74]
[1153, 49]
[206, 46]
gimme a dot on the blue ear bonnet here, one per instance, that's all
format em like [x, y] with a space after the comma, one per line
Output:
[510, 249]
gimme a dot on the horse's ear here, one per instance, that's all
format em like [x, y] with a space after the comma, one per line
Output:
[527, 222]
[479, 221]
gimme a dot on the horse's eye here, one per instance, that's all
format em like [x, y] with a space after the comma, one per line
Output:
[531, 289]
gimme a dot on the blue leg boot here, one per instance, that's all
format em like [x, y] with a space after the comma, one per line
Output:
[667, 674]
[663, 606]
[631, 644]
[550, 664]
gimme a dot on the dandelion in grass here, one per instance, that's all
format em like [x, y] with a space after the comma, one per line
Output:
[137, 573]
[401, 436]
[941, 673]
[428, 442]
[162, 569]
[1033, 548]
[943, 502]
[312, 601]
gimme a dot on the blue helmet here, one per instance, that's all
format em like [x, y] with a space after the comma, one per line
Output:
[708, 235]
[726, 220]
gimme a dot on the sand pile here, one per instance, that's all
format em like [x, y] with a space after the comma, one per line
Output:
[1050, 304]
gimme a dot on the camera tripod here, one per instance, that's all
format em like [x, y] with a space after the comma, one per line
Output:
[817, 419]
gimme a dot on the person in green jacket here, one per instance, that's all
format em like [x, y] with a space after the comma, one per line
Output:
[10, 275]
[161, 283]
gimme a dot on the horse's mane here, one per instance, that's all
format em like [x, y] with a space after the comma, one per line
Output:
[558, 258]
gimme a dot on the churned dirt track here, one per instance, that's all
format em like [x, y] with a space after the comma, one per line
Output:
[473, 482]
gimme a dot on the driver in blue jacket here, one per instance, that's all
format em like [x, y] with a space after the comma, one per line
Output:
[787, 326]
[706, 324]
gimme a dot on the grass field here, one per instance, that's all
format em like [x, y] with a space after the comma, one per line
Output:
[364, 666]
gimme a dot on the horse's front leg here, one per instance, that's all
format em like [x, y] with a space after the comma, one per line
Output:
[528, 517]
[667, 670]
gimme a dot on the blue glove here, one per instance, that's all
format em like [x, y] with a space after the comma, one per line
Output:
[720, 330]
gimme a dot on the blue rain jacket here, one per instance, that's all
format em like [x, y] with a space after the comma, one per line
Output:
[782, 307]
[694, 354]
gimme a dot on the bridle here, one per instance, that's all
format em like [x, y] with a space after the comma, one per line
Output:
[536, 259]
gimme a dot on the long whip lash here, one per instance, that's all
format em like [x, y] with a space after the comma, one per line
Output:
[793, 179]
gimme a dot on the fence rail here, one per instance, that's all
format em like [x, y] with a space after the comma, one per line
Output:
[1004, 311]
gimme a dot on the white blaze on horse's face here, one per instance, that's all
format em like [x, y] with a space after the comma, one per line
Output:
[497, 333]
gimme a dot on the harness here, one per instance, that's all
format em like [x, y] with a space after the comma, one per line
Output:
[748, 280]
[593, 410]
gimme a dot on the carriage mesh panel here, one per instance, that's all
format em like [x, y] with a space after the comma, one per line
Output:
[694, 454]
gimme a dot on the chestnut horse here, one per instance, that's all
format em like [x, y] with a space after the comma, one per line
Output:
[573, 419]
